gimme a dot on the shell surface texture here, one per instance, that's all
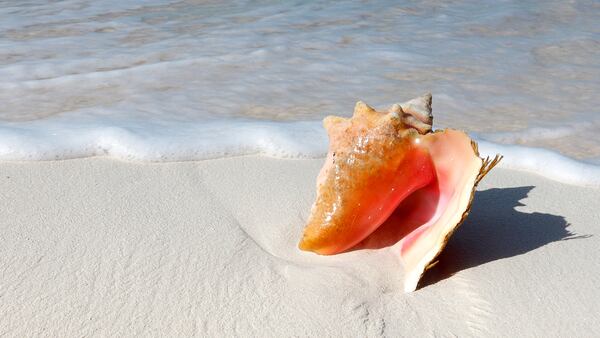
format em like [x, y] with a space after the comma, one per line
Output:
[390, 170]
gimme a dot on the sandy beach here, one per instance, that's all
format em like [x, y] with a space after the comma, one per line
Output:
[99, 247]
[158, 162]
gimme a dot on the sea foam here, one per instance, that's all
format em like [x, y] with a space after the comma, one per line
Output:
[168, 141]
[547, 163]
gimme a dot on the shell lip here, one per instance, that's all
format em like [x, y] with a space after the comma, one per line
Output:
[411, 282]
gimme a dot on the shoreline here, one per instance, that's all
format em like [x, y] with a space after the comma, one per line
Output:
[136, 142]
[98, 247]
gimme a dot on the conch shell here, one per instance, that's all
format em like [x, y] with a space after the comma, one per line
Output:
[381, 164]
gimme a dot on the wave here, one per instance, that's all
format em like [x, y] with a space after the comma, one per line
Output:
[61, 138]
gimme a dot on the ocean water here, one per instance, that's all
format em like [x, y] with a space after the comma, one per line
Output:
[187, 80]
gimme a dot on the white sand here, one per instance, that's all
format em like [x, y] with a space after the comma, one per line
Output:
[96, 247]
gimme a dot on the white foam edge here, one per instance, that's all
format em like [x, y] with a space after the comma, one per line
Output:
[544, 162]
[172, 141]
[162, 141]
